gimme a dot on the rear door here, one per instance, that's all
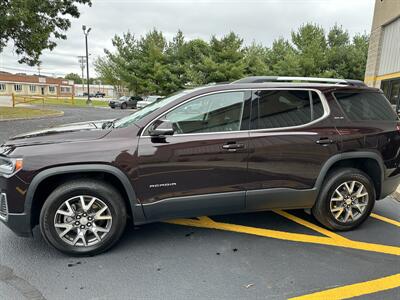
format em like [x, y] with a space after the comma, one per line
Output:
[202, 168]
[291, 137]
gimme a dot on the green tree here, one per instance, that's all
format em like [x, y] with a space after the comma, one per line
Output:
[310, 45]
[196, 52]
[75, 77]
[283, 60]
[255, 60]
[225, 62]
[176, 56]
[358, 56]
[34, 25]
[337, 55]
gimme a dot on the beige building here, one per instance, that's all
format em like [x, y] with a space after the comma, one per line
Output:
[33, 85]
[383, 65]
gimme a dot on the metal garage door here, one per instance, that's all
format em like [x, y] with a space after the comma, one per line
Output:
[390, 52]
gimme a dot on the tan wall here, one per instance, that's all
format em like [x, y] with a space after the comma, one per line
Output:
[385, 12]
[38, 92]
[39, 81]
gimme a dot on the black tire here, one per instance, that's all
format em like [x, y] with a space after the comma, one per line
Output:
[124, 106]
[90, 187]
[321, 209]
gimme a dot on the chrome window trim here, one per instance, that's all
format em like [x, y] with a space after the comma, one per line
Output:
[322, 98]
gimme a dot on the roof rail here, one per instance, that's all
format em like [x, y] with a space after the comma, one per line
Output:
[262, 79]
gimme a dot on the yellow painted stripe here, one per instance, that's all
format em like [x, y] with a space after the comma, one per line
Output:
[384, 219]
[355, 290]
[382, 77]
[205, 222]
[310, 225]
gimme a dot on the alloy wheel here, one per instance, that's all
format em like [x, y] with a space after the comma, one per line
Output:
[83, 221]
[349, 201]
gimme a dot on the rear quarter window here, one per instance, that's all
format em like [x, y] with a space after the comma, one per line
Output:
[365, 106]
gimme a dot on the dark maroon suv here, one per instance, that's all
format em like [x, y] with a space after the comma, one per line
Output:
[260, 143]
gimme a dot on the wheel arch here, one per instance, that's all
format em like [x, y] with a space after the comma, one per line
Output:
[369, 162]
[57, 174]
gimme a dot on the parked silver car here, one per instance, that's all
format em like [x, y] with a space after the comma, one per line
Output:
[148, 100]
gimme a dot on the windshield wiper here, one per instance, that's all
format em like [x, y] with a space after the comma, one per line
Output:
[108, 124]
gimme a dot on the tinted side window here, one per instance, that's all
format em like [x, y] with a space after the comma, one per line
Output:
[212, 113]
[285, 108]
[365, 106]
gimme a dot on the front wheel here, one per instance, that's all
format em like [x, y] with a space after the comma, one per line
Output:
[83, 217]
[124, 106]
[346, 199]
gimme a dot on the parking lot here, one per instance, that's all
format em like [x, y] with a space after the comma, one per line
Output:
[264, 255]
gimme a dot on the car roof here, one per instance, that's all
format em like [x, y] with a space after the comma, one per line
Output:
[280, 85]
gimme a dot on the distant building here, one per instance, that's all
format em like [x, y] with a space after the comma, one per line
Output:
[94, 88]
[34, 85]
[383, 65]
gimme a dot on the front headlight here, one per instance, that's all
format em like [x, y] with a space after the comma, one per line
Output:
[10, 166]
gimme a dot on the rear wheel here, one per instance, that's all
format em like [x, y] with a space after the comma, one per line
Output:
[346, 199]
[83, 218]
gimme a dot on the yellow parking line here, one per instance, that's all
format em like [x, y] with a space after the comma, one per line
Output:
[205, 222]
[387, 220]
[354, 290]
[310, 225]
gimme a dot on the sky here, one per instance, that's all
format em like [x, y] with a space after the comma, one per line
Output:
[261, 21]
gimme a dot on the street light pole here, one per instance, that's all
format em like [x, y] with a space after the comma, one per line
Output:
[86, 32]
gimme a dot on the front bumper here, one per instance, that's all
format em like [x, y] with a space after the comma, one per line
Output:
[114, 104]
[389, 186]
[20, 224]
[12, 201]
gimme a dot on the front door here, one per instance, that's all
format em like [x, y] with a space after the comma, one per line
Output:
[290, 140]
[202, 167]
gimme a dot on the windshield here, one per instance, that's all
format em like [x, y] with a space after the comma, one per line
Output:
[123, 98]
[140, 114]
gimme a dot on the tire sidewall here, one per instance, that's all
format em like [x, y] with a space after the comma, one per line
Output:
[323, 204]
[101, 191]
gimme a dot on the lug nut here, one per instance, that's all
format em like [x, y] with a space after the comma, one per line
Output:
[89, 224]
[82, 226]
[77, 223]
[84, 215]
[90, 218]
[78, 217]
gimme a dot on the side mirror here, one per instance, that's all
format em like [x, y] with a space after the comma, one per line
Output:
[161, 128]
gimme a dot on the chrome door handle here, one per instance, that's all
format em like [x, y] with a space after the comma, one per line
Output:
[325, 141]
[232, 146]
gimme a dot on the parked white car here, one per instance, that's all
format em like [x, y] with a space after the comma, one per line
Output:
[148, 100]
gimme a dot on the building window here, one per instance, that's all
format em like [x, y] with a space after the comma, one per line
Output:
[18, 87]
[52, 89]
[65, 89]
[32, 88]
[2, 87]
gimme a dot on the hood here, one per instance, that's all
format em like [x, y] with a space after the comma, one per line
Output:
[64, 133]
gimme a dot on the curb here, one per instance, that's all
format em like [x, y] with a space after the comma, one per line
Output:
[54, 115]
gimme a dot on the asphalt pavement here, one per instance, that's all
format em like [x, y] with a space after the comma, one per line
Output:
[264, 255]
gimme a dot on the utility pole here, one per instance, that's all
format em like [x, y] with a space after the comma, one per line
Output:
[82, 61]
[86, 32]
